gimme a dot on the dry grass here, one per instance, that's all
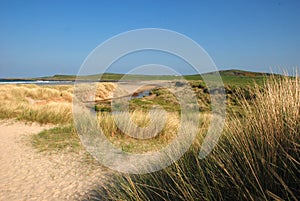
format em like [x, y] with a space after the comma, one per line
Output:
[257, 158]
[43, 104]
[94, 91]
[140, 124]
[267, 140]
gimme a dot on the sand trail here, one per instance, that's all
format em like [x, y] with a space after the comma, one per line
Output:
[26, 174]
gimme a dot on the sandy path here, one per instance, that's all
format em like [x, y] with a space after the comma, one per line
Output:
[28, 175]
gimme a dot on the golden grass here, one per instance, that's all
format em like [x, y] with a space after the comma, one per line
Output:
[257, 157]
[43, 104]
[139, 118]
[94, 91]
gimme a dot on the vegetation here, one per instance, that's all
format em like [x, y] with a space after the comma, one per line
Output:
[229, 77]
[61, 138]
[42, 104]
[121, 137]
[51, 104]
[257, 157]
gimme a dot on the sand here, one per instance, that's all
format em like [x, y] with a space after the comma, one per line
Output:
[26, 174]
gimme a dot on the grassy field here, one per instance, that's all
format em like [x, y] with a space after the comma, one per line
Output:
[257, 157]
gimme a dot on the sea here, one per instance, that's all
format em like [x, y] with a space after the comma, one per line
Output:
[38, 82]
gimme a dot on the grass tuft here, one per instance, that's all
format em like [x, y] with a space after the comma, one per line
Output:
[57, 139]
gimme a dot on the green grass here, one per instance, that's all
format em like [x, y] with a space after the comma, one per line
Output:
[161, 96]
[61, 138]
[158, 97]
[234, 78]
[107, 76]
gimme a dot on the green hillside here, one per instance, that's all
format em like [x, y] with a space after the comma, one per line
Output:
[234, 78]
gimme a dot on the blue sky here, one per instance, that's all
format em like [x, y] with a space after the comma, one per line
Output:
[39, 38]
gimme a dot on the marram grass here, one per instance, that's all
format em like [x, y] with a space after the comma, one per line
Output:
[257, 157]
[42, 104]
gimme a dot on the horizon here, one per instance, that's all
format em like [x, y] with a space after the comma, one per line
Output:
[219, 71]
[43, 38]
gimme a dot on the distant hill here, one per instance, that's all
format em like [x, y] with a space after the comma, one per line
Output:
[235, 72]
[235, 77]
[229, 77]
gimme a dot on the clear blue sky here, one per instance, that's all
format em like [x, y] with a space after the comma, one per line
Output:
[41, 37]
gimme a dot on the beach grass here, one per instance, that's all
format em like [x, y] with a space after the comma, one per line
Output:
[65, 137]
[162, 130]
[43, 104]
[256, 158]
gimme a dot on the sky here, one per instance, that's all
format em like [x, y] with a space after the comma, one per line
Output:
[41, 38]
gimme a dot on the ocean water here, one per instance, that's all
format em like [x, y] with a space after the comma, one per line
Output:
[38, 82]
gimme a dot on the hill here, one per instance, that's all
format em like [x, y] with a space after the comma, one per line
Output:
[230, 77]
